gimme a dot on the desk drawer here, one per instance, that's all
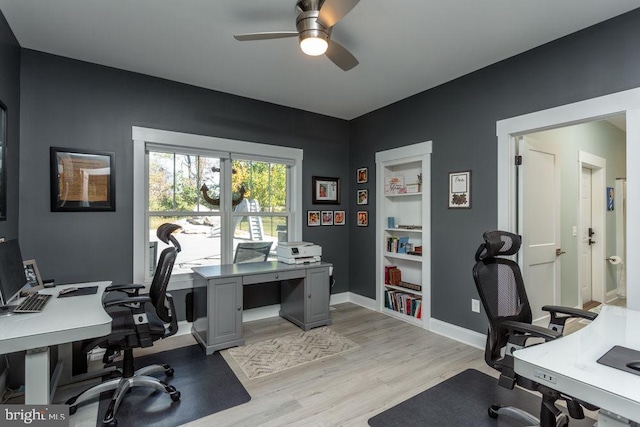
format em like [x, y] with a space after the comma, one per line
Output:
[272, 277]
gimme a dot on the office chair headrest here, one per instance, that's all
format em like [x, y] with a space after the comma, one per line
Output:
[164, 233]
[498, 243]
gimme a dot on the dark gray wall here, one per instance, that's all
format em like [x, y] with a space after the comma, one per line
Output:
[10, 96]
[460, 118]
[75, 104]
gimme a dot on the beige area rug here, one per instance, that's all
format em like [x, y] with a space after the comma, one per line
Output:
[269, 357]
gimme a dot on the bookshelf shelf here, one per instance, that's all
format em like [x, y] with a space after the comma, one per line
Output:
[396, 168]
[414, 258]
[403, 230]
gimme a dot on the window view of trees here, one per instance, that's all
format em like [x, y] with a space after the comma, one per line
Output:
[175, 184]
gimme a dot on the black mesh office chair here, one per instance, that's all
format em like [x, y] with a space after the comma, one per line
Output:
[138, 321]
[252, 252]
[501, 289]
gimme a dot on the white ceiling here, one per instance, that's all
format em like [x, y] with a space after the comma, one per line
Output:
[404, 46]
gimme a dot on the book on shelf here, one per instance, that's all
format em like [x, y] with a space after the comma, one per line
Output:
[404, 303]
[395, 276]
[387, 268]
[402, 244]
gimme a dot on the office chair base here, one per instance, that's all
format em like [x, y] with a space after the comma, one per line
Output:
[122, 386]
[517, 414]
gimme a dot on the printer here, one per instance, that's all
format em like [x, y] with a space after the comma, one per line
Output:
[298, 252]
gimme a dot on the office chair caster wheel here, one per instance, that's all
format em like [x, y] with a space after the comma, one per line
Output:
[112, 423]
[175, 396]
[169, 372]
[493, 411]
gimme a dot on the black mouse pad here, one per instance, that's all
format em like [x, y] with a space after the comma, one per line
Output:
[619, 356]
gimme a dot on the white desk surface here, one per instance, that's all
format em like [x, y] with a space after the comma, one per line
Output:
[248, 268]
[61, 321]
[572, 360]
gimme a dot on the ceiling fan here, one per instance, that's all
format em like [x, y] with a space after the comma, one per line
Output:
[314, 23]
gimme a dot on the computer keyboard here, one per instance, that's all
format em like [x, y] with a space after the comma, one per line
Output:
[34, 303]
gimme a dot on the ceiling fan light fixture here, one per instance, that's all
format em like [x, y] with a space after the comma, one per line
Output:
[314, 46]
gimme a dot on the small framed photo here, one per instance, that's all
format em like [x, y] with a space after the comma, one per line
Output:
[313, 218]
[327, 217]
[460, 190]
[363, 197]
[82, 180]
[363, 175]
[32, 274]
[326, 190]
[363, 219]
[339, 218]
[610, 198]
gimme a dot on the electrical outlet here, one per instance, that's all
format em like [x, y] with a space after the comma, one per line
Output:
[475, 305]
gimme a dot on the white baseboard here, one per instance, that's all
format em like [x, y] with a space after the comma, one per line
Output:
[465, 336]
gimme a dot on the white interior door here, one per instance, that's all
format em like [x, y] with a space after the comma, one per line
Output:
[539, 223]
[585, 276]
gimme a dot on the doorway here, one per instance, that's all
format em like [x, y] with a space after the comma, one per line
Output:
[627, 105]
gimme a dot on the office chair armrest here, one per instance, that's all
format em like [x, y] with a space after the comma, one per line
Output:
[557, 322]
[523, 331]
[129, 289]
[126, 301]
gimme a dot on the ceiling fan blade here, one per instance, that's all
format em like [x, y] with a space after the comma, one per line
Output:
[334, 10]
[268, 35]
[341, 56]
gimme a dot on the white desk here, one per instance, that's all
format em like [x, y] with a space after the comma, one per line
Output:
[62, 320]
[571, 363]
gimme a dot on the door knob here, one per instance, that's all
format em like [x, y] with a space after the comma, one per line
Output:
[559, 252]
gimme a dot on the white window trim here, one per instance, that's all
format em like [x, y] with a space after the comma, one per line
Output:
[141, 136]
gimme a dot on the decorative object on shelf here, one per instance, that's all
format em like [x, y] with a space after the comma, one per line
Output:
[363, 218]
[327, 217]
[363, 197]
[391, 222]
[3, 162]
[410, 227]
[313, 218]
[417, 250]
[460, 190]
[82, 180]
[339, 218]
[326, 191]
[413, 188]
[363, 175]
[394, 185]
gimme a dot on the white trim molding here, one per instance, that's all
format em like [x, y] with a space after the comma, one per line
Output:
[626, 102]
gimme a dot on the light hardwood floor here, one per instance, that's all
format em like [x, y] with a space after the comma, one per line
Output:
[395, 361]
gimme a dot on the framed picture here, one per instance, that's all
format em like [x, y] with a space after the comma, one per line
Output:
[32, 274]
[313, 218]
[82, 180]
[363, 175]
[460, 190]
[326, 190]
[363, 197]
[610, 198]
[327, 217]
[339, 218]
[3, 162]
[363, 218]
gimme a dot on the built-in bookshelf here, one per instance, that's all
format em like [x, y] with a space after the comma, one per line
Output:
[403, 230]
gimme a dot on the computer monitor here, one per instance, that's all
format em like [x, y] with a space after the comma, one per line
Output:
[12, 277]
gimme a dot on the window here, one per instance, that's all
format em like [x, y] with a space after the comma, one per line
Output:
[219, 197]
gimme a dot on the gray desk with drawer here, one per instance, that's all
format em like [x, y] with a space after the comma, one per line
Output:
[304, 298]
